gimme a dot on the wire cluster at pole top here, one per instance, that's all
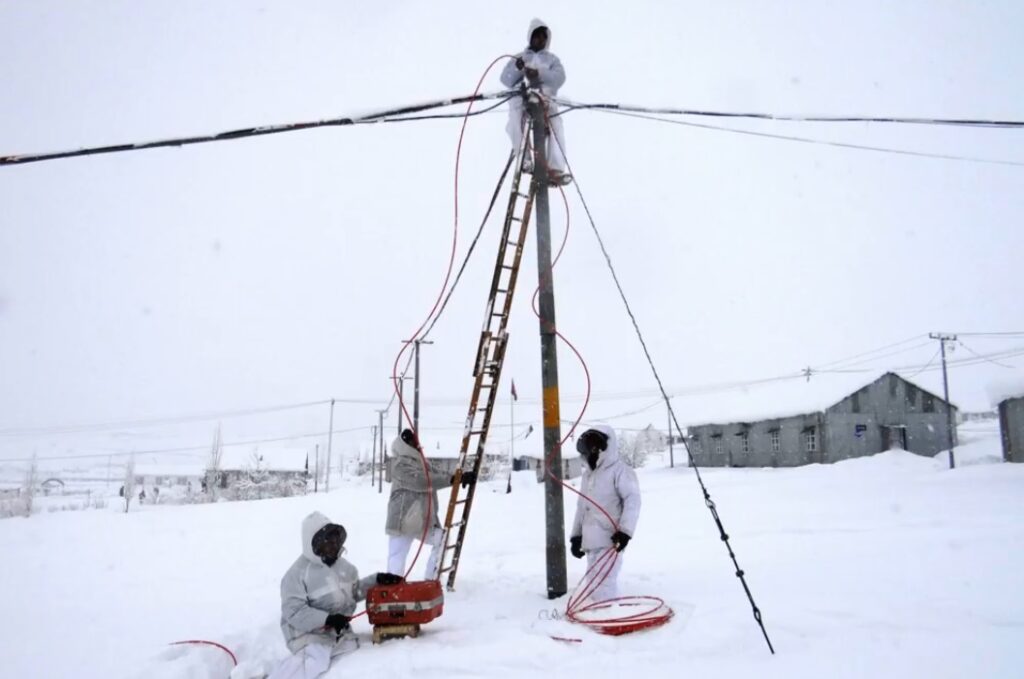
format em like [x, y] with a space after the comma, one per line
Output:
[407, 114]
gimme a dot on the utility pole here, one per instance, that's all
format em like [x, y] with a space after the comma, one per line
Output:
[316, 471]
[380, 469]
[671, 454]
[373, 455]
[401, 401]
[330, 440]
[416, 386]
[945, 392]
[554, 509]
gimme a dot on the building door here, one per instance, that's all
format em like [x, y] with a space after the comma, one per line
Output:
[894, 437]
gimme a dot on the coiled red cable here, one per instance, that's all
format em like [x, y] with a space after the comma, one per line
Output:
[597, 615]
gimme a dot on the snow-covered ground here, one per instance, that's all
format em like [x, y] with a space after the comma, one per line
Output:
[891, 566]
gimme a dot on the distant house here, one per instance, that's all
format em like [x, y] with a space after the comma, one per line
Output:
[571, 465]
[162, 478]
[797, 422]
[246, 474]
[448, 464]
[1011, 428]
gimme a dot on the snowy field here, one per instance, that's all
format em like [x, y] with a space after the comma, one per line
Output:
[891, 566]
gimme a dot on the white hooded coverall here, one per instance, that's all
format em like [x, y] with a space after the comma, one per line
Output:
[310, 590]
[613, 485]
[552, 77]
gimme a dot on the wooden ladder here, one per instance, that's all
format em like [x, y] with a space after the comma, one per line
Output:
[490, 356]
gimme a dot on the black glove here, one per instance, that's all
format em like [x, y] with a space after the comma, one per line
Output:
[337, 621]
[389, 579]
[468, 477]
[576, 546]
[520, 63]
[620, 540]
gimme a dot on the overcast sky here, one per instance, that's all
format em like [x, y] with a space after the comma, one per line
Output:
[288, 269]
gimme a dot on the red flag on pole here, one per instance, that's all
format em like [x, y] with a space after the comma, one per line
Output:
[515, 396]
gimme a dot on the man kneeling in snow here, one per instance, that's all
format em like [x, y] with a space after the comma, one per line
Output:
[318, 597]
[612, 485]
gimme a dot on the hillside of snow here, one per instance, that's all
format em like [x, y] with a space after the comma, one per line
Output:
[890, 566]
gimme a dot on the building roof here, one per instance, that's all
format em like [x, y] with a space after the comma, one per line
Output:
[272, 459]
[773, 399]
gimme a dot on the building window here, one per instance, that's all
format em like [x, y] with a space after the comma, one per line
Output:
[718, 445]
[855, 402]
[928, 403]
[776, 444]
[893, 383]
[744, 443]
[911, 394]
[696, 446]
[812, 440]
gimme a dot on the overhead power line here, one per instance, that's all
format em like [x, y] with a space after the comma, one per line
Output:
[399, 114]
[157, 421]
[789, 117]
[812, 140]
[182, 451]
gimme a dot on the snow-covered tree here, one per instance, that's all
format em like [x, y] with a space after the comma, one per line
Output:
[255, 483]
[636, 448]
[28, 487]
[128, 489]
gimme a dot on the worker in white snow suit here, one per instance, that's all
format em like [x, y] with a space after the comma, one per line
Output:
[407, 504]
[541, 69]
[318, 596]
[612, 484]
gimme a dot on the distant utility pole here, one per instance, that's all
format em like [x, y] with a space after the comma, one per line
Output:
[380, 430]
[416, 386]
[330, 439]
[401, 400]
[671, 454]
[945, 389]
[316, 471]
[554, 509]
[373, 455]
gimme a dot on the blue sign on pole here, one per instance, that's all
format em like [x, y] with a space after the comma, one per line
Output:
[859, 429]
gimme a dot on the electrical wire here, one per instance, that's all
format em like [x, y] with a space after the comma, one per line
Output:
[182, 449]
[987, 360]
[956, 122]
[812, 140]
[158, 421]
[388, 115]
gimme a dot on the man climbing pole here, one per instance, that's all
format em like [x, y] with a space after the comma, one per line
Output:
[542, 70]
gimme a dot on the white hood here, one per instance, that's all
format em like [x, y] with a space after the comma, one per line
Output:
[611, 453]
[534, 25]
[400, 448]
[310, 525]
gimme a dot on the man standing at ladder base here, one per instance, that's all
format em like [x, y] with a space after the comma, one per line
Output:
[542, 70]
[411, 492]
[611, 485]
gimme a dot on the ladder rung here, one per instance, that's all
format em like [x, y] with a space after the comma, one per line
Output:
[523, 195]
[516, 219]
[506, 266]
[502, 290]
[462, 502]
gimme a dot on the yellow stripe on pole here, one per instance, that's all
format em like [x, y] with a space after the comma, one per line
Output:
[551, 414]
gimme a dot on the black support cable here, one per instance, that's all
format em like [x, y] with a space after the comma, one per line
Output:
[955, 122]
[810, 140]
[650, 361]
[259, 131]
